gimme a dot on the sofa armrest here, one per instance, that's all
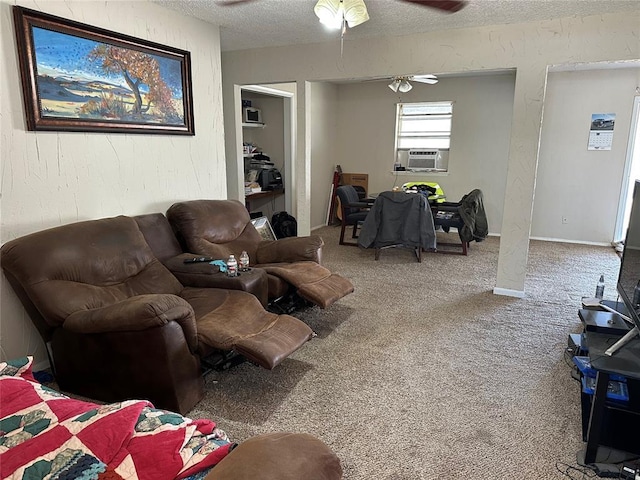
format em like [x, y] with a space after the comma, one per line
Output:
[365, 203]
[136, 313]
[177, 266]
[290, 249]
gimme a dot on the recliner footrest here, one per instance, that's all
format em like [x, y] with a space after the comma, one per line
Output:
[314, 282]
[272, 346]
[240, 323]
[326, 291]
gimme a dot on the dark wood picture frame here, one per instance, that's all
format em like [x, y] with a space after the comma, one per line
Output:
[77, 77]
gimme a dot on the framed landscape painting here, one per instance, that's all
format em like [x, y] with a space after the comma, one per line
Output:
[76, 77]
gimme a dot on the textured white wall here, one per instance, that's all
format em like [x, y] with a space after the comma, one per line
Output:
[528, 48]
[582, 185]
[324, 147]
[53, 178]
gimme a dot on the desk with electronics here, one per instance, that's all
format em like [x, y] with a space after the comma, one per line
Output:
[262, 181]
[607, 359]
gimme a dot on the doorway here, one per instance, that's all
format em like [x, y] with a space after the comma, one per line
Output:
[274, 137]
[631, 173]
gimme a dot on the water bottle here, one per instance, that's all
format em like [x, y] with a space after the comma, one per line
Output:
[232, 266]
[600, 288]
[244, 261]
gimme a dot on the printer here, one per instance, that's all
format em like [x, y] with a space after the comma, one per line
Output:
[269, 176]
[270, 179]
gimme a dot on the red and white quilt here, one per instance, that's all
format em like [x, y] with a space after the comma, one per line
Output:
[47, 435]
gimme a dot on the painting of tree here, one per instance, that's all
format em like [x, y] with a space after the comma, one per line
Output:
[83, 78]
[139, 70]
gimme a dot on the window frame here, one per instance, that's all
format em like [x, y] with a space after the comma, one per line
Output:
[432, 138]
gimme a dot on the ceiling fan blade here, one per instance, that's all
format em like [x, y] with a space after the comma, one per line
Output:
[449, 6]
[227, 3]
[430, 79]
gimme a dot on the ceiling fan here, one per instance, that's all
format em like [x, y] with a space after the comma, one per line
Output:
[448, 6]
[401, 83]
[339, 14]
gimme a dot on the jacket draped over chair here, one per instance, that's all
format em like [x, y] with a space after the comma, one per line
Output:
[399, 218]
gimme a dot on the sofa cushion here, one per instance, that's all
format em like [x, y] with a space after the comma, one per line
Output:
[205, 226]
[86, 265]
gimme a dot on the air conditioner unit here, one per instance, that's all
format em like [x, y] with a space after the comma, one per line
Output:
[423, 159]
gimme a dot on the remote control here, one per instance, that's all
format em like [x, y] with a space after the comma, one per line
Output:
[198, 260]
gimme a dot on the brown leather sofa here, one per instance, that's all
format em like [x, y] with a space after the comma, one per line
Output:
[219, 228]
[118, 324]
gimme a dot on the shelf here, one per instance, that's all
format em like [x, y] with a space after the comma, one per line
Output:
[263, 194]
[253, 125]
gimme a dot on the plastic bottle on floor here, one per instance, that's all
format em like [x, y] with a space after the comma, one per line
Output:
[600, 288]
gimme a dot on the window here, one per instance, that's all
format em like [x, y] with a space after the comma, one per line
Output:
[425, 125]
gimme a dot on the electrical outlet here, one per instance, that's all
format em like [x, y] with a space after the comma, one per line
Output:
[565, 220]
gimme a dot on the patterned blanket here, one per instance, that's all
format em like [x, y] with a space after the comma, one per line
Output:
[47, 435]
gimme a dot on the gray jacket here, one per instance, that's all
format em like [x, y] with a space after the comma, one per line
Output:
[399, 218]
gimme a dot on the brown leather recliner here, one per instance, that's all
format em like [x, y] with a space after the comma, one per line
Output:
[218, 228]
[118, 324]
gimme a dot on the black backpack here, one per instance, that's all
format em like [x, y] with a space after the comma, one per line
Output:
[284, 225]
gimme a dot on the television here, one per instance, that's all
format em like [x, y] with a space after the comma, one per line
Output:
[628, 285]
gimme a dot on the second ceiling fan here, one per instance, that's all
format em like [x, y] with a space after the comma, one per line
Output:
[401, 83]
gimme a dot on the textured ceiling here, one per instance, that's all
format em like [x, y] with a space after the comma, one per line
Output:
[266, 23]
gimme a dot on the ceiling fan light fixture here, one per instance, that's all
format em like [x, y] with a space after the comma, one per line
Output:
[355, 12]
[394, 85]
[333, 13]
[404, 86]
[329, 12]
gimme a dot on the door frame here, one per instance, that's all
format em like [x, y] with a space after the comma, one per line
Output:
[626, 191]
[289, 106]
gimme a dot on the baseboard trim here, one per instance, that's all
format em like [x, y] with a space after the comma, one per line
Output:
[577, 242]
[508, 292]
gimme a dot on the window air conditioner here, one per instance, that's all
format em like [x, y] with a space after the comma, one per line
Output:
[423, 159]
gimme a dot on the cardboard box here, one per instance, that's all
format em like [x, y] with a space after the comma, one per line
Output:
[357, 179]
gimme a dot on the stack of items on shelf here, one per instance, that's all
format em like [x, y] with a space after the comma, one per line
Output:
[252, 187]
[249, 148]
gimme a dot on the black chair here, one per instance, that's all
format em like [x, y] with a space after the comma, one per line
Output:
[467, 216]
[353, 210]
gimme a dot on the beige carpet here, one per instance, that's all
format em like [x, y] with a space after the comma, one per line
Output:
[423, 373]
